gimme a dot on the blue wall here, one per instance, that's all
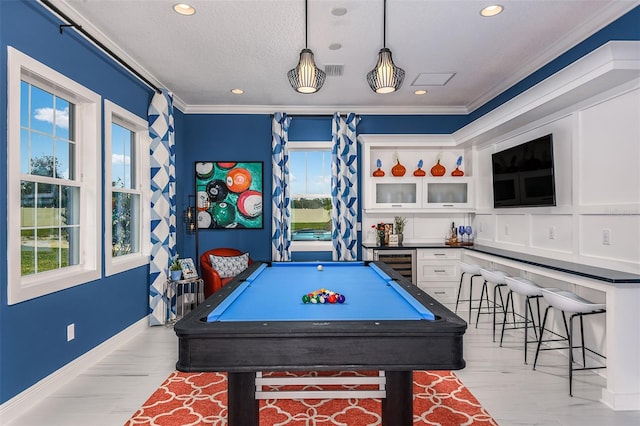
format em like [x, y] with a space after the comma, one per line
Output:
[221, 137]
[202, 137]
[33, 333]
[33, 340]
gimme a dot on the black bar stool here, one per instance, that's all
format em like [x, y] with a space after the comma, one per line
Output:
[529, 290]
[497, 278]
[474, 271]
[566, 301]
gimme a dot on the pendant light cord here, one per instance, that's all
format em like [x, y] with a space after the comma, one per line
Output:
[306, 19]
[384, 24]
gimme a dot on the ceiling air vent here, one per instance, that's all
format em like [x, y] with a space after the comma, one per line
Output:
[334, 70]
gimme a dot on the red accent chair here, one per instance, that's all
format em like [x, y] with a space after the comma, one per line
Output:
[211, 278]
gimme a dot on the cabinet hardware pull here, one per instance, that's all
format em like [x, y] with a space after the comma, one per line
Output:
[439, 254]
[439, 270]
[396, 205]
[447, 205]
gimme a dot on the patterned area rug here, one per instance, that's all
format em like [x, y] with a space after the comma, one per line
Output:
[200, 399]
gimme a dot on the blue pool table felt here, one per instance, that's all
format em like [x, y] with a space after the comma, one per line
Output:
[275, 294]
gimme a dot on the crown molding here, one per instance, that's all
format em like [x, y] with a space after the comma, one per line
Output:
[328, 110]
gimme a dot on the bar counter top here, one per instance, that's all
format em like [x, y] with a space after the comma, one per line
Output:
[596, 273]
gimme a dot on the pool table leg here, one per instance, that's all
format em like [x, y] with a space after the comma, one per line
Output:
[241, 398]
[397, 407]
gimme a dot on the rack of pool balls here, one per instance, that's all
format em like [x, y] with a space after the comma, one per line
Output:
[323, 296]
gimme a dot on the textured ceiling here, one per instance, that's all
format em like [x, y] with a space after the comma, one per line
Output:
[251, 44]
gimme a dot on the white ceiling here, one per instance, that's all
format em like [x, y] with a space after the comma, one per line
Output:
[251, 44]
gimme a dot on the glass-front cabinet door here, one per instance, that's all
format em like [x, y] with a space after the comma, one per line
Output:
[394, 193]
[448, 193]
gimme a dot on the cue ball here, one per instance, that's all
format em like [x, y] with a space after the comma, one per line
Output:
[319, 267]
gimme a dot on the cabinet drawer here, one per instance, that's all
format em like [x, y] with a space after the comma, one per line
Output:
[438, 254]
[441, 294]
[438, 271]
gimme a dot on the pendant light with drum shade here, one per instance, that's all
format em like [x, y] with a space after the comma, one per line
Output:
[306, 77]
[386, 77]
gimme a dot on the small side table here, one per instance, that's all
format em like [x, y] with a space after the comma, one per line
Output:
[187, 294]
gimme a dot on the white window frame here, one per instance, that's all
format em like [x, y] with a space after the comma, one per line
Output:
[310, 146]
[113, 113]
[88, 169]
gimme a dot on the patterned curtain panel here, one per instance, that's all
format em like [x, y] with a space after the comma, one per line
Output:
[344, 187]
[163, 203]
[281, 235]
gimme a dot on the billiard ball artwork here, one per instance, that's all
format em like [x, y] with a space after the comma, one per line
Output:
[250, 203]
[204, 170]
[224, 214]
[226, 165]
[205, 220]
[230, 194]
[238, 180]
[202, 200]
[217, 190]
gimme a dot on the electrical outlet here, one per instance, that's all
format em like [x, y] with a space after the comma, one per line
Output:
[552, 232]
[71, 332]
[606, 237]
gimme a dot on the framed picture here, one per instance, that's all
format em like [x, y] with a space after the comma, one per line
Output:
[188, 268]
[229, 194]
[388, 230]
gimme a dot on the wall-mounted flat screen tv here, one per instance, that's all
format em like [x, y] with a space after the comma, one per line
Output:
[523, 175]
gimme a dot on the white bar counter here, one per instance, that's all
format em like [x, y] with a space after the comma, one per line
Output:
[622, 293]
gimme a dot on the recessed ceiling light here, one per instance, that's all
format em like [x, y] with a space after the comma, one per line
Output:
[237, 91]
[184, 9]
[420, 92]
[335, 46]
[339, 11]
[492, 10]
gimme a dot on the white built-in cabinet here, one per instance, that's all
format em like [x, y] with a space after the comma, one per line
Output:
[409, 193]
[438, 273]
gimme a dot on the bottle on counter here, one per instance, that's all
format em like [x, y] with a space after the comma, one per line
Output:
[454, 234]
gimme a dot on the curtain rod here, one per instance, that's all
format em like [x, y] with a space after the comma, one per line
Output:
[72, 23]
[310, 115]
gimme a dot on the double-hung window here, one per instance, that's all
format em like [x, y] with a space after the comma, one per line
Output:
[310, 191]
[53, 179]
[127, 202]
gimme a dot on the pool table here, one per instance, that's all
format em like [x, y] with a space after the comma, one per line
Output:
[259, 322]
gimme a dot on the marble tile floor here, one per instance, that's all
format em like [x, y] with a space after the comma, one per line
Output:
[109, 392]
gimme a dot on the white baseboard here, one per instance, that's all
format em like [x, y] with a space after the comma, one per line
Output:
[26, 399]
